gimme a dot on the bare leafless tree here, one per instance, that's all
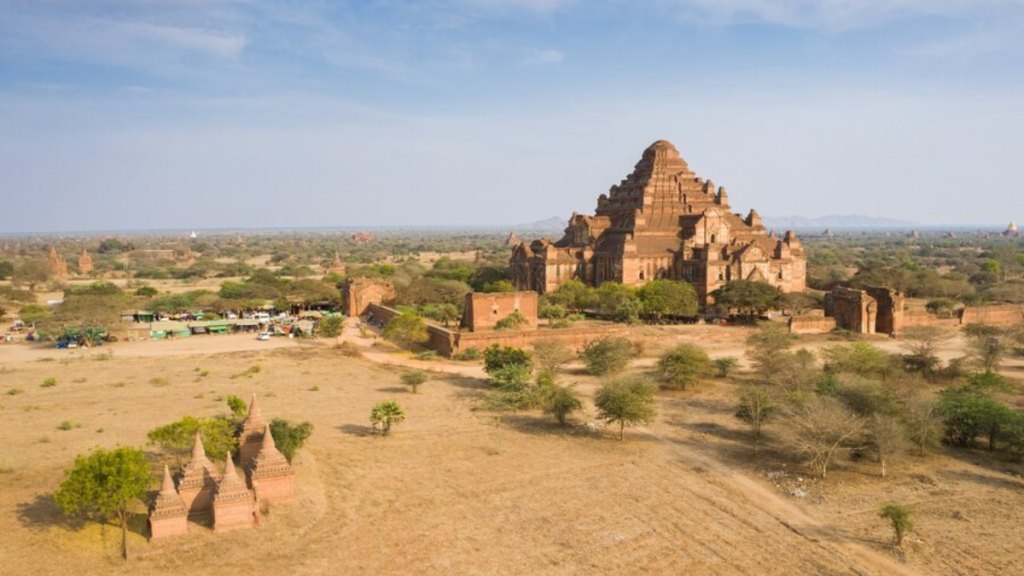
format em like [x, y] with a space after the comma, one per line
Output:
[819, 427]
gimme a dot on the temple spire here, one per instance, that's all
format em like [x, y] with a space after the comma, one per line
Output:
[167, 488]
[198, 452]
[268, 440]
[254, 410]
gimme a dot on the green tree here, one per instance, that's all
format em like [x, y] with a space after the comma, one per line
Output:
[628, 402]
[858, 358]
[668, 298]
[941, 307]
[288, 437]
[618, 301]
[33, 314]
[31, 273]
[607, 356]
[177, 437]
[726, 365]
[386, 414]
[414, 379]
[749, 297]
[497, 357]
[574, 295]
[104, 484]
[406, 329]
[560, 402]
[899, 518]
[6, 269]
[331, 326]
[684, 366]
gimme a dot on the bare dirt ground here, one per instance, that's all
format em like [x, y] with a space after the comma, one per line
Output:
[452, 493]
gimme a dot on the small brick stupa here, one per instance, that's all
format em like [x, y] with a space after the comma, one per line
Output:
[85, 262]
[251, 439]
[169, 517]
[272, 476]
[234, 506]
[198, 483]
[58, 266]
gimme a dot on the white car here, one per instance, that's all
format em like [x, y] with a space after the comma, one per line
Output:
[263, 336]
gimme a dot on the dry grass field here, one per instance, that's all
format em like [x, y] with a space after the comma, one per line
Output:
[452, 492]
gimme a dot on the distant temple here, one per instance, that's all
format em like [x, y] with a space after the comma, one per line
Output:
[1011, 230]
[662, 221]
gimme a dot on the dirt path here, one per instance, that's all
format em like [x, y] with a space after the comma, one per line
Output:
[351, 334]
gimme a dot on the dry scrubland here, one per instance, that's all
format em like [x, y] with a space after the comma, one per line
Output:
[451, 493]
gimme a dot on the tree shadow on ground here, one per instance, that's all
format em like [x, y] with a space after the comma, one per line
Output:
[357, 430]
[43, 512]
[394, 390]
[464, 382]
[984, 479]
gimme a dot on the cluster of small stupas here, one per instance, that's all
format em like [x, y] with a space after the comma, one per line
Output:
[226, 501]
[58, 266]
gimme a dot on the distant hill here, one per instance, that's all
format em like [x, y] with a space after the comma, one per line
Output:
[835, 221]
[556, 223]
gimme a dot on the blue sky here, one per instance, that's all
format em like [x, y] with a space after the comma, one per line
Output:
[133, 114]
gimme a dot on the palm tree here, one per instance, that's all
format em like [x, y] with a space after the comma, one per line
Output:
[385, 414]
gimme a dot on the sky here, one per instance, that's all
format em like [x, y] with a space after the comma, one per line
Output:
[200, 114]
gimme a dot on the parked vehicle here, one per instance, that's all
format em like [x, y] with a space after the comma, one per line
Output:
[263, 336]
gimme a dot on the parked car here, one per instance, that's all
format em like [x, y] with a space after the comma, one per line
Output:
[263, 336]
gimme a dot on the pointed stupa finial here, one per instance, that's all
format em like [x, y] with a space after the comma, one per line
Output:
[167, 487]
[198, 452]
[254, 410]
[229, 466]
[268, 439]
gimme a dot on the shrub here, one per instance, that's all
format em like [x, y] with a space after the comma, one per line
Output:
[628, 402]
[49, 382]
[513, 321]
[289, 437]
[607, 356]
[560, 402]
[386, 414]
[684, 366]
[414, 379]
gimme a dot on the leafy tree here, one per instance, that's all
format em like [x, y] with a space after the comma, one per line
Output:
[618, 301]
[31, 273]
[288, 437]
[414, 379]
[628, 402]
[33, 314]
[104, 484]
[560, 402]
[331, 326]
[406, 329]
[899, 518]
[970, 411]
[551, 355]
[684, 366]
[941, 307]
[858, 358]
[386, 414]
[749, 297]
[574, 295]
[239, 409]
[726, 365]
[819, 427]
[796, 303]
[668, 298]
[497, 357]
[607, 356]
[146, 291]
[498, 286]
[6, 269]
[756, 408]
[177, 437]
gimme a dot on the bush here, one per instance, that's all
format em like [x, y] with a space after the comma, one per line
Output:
[414, 379]
[684, 366]
[497, 357]
[386, 414]
[513, 321]
[467, 355]
[289, 437]
[607, 356]
[49, 382]
[899, 518]
[560, 402]
[628, 402]
[330, 326]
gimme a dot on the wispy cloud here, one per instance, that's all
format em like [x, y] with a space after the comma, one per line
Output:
[544, 56]
[835, 15]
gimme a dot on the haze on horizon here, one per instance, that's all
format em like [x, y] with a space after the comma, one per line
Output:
[145, 114]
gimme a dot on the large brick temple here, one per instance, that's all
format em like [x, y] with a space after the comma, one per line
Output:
[662, 221]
